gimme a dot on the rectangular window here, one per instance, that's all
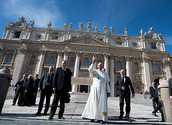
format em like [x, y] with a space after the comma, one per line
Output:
[17, 34]
[38, 37]
[134, 44]
[54, 37]
[153, 46]
[119, 42]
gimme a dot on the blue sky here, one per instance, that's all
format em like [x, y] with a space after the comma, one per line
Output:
[132, 14]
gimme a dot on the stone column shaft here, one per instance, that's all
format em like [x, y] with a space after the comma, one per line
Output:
[106, 63]
[65, 56]
[128, 68]
[59, 60]
[112, 76]
[40, 64]
[76, 72]
[19, 66]
[146, 72]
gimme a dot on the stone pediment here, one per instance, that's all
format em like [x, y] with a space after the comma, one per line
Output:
[87, 40]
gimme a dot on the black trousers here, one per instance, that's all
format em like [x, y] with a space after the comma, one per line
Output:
[59, 95]
[17, 92]
[46, 92]
[125, 97]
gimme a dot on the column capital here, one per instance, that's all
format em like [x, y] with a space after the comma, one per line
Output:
[112, 57]
[127, 58]
[78, 53]
[22, 51]
[146, 59]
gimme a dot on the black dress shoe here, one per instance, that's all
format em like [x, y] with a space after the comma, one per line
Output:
[91, 120]
[101, 121]
[127, 118]
[61, 117]
[153, 113]
[120, 117]
[38, 113]
[50, 118]
[45, 113]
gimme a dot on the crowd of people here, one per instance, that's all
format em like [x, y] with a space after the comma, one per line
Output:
[26, 90]
[96, 108]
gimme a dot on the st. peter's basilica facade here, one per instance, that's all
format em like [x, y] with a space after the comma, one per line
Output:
[27, 49]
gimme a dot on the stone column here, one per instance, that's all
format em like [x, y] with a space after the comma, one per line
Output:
[19, 66]
[128, 66]
[5, 78]
[94, 56]
[165, 99]
[106, 63]
[65, 56]
[146, 73]
[76, 71]
[6, 34]
[166, 66]
[112, 76]
[59, 60]
[40, 63]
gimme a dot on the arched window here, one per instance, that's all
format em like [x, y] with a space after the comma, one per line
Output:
[72, 62]
[32, 60]
[9, 58]
[86, 62]
[119, 65]
[156, 68]
[51, 60]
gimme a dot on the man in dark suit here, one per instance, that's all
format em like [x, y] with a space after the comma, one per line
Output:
[123, 85]
[170, 88]
[155, 97]
[154, 94]
[19, 87]
[45, 86]
[61, 86]
[35, 87]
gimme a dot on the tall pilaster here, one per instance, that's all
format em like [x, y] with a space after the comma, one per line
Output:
[65, 56]
[19, 65]
[128, 66]
[106, 63]
[112, 76]
[146, 72]
[167, 71]
[40, 64]
[76, 71]
[59, 60]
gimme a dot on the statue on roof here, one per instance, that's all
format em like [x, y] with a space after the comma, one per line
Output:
[80, 26]
[70, 25]
[96, 27]
[65, 25]
[111, 29]
[89, 26]
[10, 24]
[105, 29]
[32, 23]
[49, 24]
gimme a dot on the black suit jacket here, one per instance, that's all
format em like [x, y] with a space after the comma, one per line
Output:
[120, 83]
[62, 79]
[44, 80]
[29, 85]
[170, 86]
[153, 92]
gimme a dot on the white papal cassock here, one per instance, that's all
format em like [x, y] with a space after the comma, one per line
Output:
[96, 106]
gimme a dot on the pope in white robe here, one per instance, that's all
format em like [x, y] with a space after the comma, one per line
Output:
[96, 106]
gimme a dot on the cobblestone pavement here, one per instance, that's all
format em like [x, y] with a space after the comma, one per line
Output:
[141, 110]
